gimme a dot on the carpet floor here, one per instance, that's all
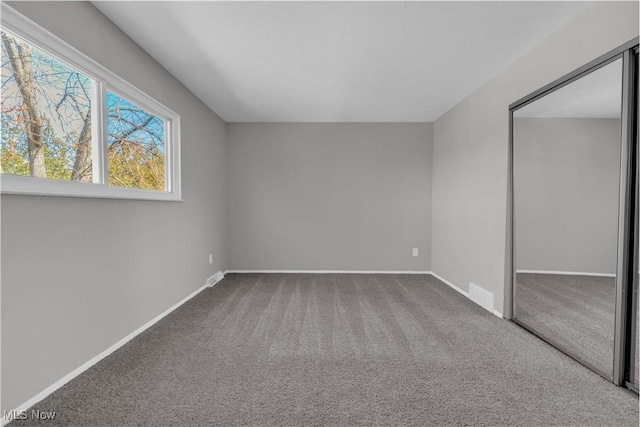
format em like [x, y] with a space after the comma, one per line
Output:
[574, 312]
[337, 349]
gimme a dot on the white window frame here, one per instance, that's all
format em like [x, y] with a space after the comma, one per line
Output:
[21, 26]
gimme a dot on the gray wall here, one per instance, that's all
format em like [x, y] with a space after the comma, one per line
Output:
[79, 274]
[334, 196]
[471, 140]
[566, 174]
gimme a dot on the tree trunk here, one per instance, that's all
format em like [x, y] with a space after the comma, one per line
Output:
[82, 165]
[20, 58]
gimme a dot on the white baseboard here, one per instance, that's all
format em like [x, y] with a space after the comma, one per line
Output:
[71, 375]
[451, 285]
[567, 273]
[329, 271]
[457, 289]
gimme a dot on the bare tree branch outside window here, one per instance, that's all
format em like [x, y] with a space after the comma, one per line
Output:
[46, 124]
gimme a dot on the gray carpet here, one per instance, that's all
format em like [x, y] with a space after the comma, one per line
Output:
[292, 349]
[575, 312]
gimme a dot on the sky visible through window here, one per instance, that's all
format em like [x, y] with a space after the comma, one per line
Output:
[46, 128]
[46, 114]
[136, 145]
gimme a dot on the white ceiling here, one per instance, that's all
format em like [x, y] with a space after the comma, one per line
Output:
[336, 61]
[596, 95]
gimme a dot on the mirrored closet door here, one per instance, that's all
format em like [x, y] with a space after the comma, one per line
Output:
[573, 209]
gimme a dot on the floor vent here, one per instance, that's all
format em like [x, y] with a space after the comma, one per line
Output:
[481, 296]
[215, 278]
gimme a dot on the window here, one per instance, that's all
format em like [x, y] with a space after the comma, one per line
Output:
[135, 141]
[46, 115]
[71, 127]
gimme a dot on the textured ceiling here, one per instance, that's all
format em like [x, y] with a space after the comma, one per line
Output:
[336, 61]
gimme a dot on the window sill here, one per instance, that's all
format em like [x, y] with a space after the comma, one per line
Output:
[22, 185]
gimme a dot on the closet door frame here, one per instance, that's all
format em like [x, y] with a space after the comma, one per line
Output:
[626, 222]
[631, 301]
[627, 211]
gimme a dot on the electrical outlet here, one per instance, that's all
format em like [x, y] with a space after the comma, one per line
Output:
[415, 251]
[210, 258]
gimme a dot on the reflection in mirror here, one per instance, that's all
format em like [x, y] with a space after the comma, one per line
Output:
[566, 167]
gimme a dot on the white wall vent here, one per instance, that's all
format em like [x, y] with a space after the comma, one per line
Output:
[481, 296]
